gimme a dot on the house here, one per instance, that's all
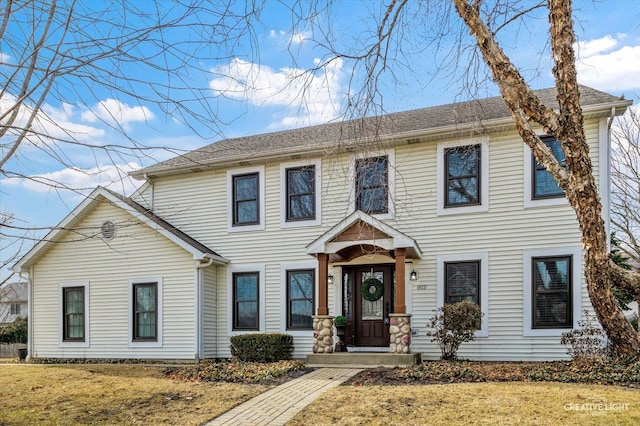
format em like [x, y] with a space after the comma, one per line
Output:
[381, 220]
[13, 301]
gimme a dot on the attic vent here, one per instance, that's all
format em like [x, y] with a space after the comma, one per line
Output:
[108, 230]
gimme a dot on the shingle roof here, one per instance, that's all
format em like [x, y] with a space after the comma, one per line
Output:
[334, 137]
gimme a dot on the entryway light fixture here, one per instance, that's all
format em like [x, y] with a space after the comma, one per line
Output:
[413, 276]
[330, 279]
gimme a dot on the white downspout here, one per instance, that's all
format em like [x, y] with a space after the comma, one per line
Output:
[198, 308]
[607, 202]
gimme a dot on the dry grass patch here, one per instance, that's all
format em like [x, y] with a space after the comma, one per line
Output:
[473, 403]
[111, 394]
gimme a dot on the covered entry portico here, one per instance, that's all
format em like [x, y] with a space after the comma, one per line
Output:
[378, 288]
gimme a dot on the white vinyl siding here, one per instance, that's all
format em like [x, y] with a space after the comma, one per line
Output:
[197, 204]
[209, 307]
[136, 251]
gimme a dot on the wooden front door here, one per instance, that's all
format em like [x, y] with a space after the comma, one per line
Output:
[371, 317]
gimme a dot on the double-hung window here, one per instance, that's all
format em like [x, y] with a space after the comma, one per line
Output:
[15, 309]
[462, 281]
[462, 176]
[246, 205]
[73, 314]
[145, 312]
[552, 298]
[372, 184]
[300, 298]
[246, 299]
[301, 193]
[544, 186]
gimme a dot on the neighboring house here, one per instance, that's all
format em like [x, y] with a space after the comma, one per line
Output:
[13, 301]
[260, 234]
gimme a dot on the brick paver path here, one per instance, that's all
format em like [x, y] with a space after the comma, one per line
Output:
[278, 405]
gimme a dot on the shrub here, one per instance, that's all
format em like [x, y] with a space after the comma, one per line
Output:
[262, 347]
[453, 325]
[587, 341]
[340, 321]
[16, 332]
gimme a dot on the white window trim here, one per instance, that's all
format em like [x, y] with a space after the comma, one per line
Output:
[527, 296]
[261, 270]
[484, 176]
[61, 342]
[484, 283]
[391, 163]
[284, 267]
[261, 201]
[283, 194]
[157, 343]
[529, 201]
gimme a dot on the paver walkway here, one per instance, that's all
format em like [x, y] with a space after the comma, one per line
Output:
[278, 405]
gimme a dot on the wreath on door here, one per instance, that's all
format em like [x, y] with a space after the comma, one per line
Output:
[372, 289]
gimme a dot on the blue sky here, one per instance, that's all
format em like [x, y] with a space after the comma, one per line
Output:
[251, 92]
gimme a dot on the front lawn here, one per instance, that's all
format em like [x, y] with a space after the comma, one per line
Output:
[98, 394]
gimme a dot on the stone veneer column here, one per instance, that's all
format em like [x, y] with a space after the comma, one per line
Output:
[400, 333]
[322, 334]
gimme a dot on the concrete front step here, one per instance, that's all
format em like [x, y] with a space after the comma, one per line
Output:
[362, 359]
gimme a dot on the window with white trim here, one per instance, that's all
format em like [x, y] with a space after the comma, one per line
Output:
[543, 184]
[145, 312]
[552, 288]
[246, 199]
[372, 184]
[300, 299]
[464, 276]
[246, 301]
[463, 176]
[73, 325]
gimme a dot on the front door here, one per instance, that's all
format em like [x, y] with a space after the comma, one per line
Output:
[373, 290]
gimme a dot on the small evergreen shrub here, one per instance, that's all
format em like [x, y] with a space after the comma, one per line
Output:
[262, 347]
[16, 332]
[453, 325]
[587, 341]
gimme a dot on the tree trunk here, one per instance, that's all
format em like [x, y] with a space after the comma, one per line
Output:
[567, 127]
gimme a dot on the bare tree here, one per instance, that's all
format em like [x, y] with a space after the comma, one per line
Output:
[386, 46]
[625, 183]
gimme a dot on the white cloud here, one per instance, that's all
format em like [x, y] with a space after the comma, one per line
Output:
[606, 65]
[309, 97]
[4, 57]
[50, 123]
[80, 180]
[113, 111]
[290, 38]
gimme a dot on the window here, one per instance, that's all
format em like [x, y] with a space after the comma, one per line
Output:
[300, 298]
[14, 309]
[462, 176]
[246, 301]
[301, 203]
[465, 276]
[462, 282]
[73, 314]
[145, 312]
[552, 282]
[372, 189]
[544, 186]
[246, 209]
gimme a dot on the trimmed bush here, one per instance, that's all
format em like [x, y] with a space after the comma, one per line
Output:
[262, 347]
[453, 325]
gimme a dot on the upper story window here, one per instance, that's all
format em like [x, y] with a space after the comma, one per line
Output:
[543, 184]
[246, 207]
[246, 199]
[462, 176]
[462, 281]
[552, 299]
[372, 184]
[15, 309]
[73, 314]
[301, 191]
